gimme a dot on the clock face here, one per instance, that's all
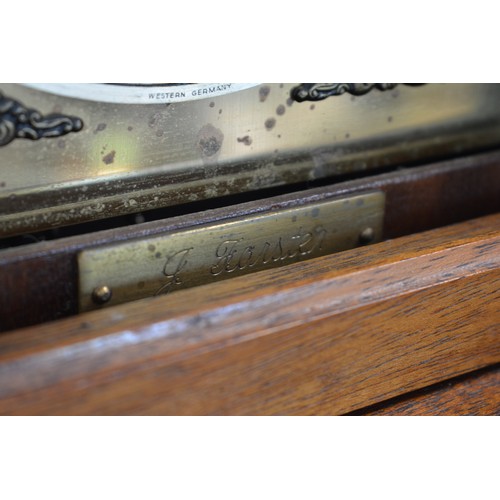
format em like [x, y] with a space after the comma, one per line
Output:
[140, 93]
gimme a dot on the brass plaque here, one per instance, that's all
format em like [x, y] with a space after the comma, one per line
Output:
[133, 270]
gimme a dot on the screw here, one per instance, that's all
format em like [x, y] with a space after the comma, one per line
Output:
[101, 294]
[366, 236]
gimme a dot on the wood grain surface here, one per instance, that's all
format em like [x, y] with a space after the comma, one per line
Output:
[326, 336]
[38, 282]
[473, 394]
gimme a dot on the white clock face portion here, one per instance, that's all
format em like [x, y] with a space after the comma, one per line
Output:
[140, 93]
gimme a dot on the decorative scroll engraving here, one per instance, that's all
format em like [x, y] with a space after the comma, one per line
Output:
[16, 121]
[319, 91]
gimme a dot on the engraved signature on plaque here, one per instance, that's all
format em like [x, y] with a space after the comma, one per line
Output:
[231, 256]
[205, 254]
[17, 121]
[176, 262]
[235, 255]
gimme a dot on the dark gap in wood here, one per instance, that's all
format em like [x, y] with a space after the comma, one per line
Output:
[424, 391]
[208, 204]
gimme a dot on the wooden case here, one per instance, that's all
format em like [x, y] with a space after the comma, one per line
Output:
[340, 334]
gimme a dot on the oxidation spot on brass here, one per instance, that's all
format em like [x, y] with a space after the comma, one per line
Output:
[209, 146]
[315, 212]
[151, 248]
[2, 184]
[270, 123]
[389, 119]
[141, 284]
[209, 174]
[360, 202]
[220, 111]
[312, 106]
[210, 140]
[280, 110]
[281, 85]
[109, 158]
[395, 93]
[129, 128]
[158, 255]
[289, 101]
[212, 104]
[347, 136]
[100, 128]
[246, 140]
[353, 98]
[159, 133]
[61, 143]
[155, 119]
[264, 92]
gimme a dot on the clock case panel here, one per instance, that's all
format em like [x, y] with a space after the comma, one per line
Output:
[103, 160]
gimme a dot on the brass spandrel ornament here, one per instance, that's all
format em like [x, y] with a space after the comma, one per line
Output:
[20, 122]
[320, 91]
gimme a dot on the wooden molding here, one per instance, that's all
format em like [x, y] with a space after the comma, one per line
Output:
[472, 394]
[326, 336]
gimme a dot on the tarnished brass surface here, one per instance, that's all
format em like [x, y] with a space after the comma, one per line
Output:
[136, 157]
[123, 272]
